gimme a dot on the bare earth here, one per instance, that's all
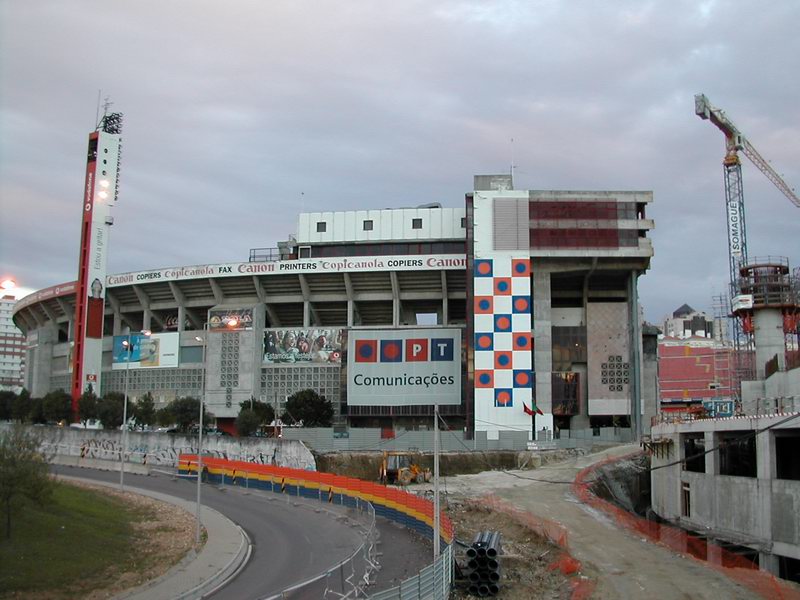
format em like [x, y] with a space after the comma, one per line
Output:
[162, 540]
[624, 566]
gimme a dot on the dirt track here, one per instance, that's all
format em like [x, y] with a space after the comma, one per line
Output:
[626, 566]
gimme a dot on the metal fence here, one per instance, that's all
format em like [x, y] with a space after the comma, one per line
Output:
[433, 581]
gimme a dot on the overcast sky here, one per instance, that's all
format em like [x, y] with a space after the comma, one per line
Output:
[239, 115]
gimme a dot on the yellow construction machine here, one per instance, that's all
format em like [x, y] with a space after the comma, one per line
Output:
[402, 468]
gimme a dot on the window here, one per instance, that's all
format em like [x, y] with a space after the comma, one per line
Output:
[686, 500]
[416, 223]
[787, 446]
[693, 447]
[322, 226]
[368, 225]
[463, 222]
[737, 454]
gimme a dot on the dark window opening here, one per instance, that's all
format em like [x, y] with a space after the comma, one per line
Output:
[322, 226]
[304, 252]
[693, 448]
[416, 223]
[368, 225]
[787, 449]
[789, 568]
[463, 222]
[737, 454]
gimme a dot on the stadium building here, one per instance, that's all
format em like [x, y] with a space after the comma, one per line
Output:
[517, 303]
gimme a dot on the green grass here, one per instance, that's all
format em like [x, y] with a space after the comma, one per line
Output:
[67, 544]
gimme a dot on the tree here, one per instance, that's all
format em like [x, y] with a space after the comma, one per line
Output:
[110, 409]
[88, 406]
[23, 472]
[310, 408]
[21, 406]
[7, 400]
[185, 412]
[164, 417]
[57, 406]
[36, 411]
[264, 411]
[247, 422]
[145, 410]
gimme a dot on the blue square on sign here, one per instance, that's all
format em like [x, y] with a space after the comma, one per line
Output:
[441, 349]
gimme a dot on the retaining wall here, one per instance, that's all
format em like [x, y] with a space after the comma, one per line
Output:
[165, 448]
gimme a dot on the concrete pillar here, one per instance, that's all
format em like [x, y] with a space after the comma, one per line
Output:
[146, 319]
[181, 318]
[306, 313]
[768, 332]
[350, 313]
[116, 327]
[542, 337]
[395, 312]
[769, 563]
[714, 554]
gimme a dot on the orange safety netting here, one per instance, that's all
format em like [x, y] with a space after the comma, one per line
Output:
[556, 533]
[731, 564]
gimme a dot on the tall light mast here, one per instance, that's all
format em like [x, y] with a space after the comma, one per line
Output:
[99, 195]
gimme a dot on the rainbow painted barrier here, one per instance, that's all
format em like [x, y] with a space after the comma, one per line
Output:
[406, 509]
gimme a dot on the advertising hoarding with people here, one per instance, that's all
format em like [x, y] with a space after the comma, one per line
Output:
[403, 367]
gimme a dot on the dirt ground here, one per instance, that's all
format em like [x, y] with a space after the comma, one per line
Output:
[529, 562]
[621, 564]
[161, 540]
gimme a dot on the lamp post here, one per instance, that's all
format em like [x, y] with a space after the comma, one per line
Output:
[126, 343]
[200, 432]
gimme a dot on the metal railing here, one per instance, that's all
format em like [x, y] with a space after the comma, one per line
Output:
[433, 581]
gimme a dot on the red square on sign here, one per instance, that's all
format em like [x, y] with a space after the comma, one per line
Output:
[417, 350]
[366, 350]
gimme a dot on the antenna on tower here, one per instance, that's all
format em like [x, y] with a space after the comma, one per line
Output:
[97, 111]
[511, 170]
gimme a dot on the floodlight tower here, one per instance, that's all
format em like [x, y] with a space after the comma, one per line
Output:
[99, 196]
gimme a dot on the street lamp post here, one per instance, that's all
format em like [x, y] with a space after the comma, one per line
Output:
[128, 350]
[200, 432]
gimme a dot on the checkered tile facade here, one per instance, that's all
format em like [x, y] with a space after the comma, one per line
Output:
[502, 324]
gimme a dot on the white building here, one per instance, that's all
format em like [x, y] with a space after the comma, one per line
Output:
[12, 349]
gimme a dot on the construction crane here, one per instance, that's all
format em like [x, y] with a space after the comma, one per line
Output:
[735, 141]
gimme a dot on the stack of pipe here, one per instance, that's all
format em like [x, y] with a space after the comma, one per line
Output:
[483, 566]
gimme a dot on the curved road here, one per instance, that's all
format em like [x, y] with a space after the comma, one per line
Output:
[291, 540]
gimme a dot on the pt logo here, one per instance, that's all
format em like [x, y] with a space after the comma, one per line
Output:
[410, 350]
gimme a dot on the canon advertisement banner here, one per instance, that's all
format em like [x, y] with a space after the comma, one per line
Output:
[304, 345]
[404, 367]
[146, 351]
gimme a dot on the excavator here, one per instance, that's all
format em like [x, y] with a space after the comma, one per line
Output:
[402, 468]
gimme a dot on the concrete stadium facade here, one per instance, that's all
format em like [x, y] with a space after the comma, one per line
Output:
[389, 270]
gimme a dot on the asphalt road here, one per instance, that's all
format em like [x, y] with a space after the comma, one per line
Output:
[291, 540]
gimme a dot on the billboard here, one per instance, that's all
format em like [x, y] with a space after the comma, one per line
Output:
[231, 319]
[155, 350]
[403, 367]
[304, 345]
